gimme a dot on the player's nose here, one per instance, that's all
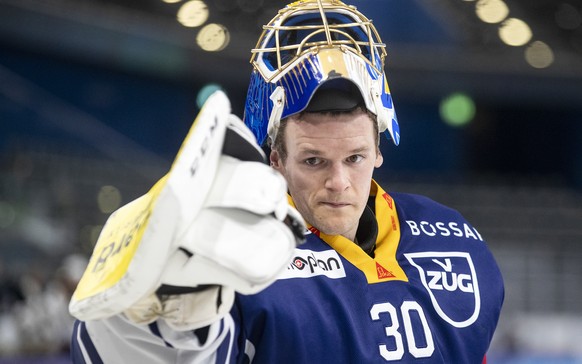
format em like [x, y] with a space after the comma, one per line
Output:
[338, 179]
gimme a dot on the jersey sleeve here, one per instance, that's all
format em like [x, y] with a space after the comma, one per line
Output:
[118, 340]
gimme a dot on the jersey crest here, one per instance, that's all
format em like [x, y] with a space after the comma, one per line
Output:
[451, 282]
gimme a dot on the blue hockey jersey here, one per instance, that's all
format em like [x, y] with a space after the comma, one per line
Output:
[430, 293]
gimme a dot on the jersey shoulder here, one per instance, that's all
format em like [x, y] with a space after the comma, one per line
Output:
[414, 205]
[422, 217]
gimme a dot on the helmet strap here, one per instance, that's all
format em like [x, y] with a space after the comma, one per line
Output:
[381, 114]
[278, 99]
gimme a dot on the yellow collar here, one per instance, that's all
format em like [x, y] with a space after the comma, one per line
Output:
[384, 266]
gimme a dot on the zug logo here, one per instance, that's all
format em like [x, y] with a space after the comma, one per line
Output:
[447, 279]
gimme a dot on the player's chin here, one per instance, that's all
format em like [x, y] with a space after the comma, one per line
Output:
[337, 224]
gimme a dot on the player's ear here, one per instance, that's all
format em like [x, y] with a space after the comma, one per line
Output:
[275, 160]
[379, 159]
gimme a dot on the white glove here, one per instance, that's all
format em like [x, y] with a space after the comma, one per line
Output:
[220, 217]
[183, 312]
[239, 238]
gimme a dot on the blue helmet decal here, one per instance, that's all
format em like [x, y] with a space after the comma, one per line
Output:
[395, 131]
[258, 106]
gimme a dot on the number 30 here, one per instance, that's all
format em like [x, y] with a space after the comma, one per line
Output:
[392, 330]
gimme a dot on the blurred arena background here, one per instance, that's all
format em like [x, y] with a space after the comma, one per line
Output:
[97, 95]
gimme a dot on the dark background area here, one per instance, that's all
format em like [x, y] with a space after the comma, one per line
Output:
[131, 67]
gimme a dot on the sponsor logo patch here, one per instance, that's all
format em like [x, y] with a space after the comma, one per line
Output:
[308, 263]
[383, 272]
[388, 200]
[439, 228]
[451, 282]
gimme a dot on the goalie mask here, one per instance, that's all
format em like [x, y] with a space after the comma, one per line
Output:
[309, 44]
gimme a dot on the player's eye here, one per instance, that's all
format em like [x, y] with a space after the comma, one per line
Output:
[355, 158]
[313, 161]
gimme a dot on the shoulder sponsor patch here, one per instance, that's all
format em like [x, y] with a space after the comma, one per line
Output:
[451, 282]
[309, 263]
[440, 228]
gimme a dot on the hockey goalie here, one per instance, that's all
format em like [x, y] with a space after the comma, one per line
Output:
[306, 259]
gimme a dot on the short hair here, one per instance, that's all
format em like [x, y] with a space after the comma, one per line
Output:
[280, 146]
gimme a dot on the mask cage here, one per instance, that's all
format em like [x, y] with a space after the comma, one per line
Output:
[306, 27]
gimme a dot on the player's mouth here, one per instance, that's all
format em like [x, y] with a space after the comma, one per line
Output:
[335, 205]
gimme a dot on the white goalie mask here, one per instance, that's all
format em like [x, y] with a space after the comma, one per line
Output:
[309, 44]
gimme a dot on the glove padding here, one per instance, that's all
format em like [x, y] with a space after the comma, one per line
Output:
[183, 312]
[239, 238]
[220, 217]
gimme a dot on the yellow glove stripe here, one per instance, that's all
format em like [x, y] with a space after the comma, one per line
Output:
[117, 244]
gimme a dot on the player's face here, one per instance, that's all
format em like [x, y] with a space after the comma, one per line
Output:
[329, 165]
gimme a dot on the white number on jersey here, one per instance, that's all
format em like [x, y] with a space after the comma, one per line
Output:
[392, 331]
